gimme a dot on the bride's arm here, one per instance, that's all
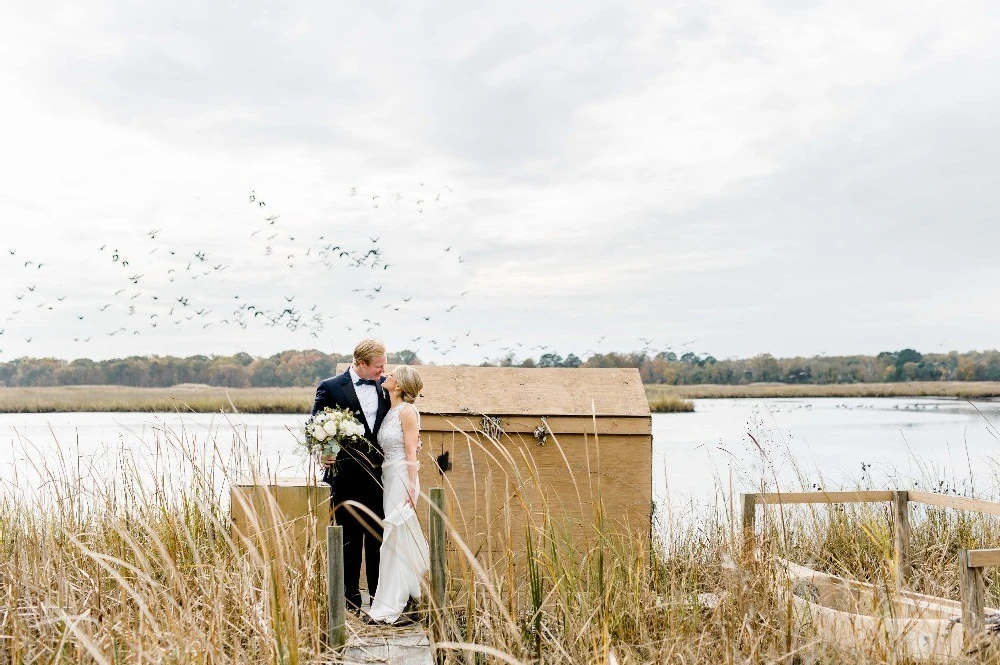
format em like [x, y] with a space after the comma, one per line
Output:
[411, 436]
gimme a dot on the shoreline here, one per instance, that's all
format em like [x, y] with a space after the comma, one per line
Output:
[956, 389]
[212, 399]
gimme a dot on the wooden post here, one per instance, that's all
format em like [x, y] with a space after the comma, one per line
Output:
[749, 522]
[970, 580]
[337, 610]
[901, 536]
[438, 568]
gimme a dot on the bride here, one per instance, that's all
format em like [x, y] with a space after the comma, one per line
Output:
[404, 557]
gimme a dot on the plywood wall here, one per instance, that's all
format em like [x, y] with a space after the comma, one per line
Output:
[496, 487]
[293, 510]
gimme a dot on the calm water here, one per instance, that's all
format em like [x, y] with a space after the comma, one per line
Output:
[833, 442]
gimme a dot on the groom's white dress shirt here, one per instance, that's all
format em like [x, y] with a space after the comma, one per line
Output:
[368, 396]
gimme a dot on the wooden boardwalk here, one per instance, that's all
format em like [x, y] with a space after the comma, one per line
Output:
[367, 643]
[406, 645]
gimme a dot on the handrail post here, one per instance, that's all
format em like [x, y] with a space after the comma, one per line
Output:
[901, 536]
[973, 597]
[749, 522]
[337, 610]
[438, 536]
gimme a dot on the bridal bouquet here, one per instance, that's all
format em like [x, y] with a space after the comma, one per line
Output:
[327, 431]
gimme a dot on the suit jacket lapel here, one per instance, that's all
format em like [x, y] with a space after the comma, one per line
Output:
[383, 407]
[351, 395]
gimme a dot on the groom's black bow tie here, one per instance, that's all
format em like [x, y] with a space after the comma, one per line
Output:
[366, 382]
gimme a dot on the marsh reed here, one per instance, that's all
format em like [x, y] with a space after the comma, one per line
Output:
[142, 568]
[957, 389]
[183, 398]
[670, 404]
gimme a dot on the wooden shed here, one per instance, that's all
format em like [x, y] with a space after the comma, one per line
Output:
[514, 444]
[510, 446]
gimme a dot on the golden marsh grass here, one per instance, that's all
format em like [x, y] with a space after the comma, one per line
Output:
[212, 399]
[958, 389]
[202, 399]
[133, 570]
[669, 404]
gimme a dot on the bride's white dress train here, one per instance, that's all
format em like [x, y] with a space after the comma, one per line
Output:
[404, 556]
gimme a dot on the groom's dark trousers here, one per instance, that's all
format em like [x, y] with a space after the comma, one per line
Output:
[358, 480]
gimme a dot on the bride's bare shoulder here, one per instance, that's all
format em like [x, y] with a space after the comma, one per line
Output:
[409, 413]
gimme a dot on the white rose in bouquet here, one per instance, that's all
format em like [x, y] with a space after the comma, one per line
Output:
[349, 429]
[328, 430]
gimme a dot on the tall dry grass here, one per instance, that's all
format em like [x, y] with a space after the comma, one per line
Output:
[133, 569]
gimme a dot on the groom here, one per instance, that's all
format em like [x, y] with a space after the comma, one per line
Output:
[358, 478]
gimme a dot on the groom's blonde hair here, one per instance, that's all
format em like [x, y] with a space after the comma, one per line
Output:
[409, 382]
[368, 350]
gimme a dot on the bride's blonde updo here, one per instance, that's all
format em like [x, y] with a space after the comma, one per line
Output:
[409, 382]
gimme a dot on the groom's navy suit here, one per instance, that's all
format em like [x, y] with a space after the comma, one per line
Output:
[358, 479]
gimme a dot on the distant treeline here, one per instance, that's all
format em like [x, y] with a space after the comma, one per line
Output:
[290, 368]
[305, 368]
[888, 366]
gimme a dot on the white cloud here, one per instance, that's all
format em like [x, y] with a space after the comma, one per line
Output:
[767, 177]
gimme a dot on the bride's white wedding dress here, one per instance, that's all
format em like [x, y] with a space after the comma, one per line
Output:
[404, 556]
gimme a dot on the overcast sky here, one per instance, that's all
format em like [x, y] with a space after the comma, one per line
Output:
[797, 178]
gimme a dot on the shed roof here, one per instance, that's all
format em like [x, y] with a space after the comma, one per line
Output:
[530, 391]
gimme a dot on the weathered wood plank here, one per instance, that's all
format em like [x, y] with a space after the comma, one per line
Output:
[749, 522]
[958, 502]
[513, 424]
[401, 646]
[970, 581]
[866, 496]
[901, 537]
[263, 507]
[984, 558]
[337, 610]
[438, 555]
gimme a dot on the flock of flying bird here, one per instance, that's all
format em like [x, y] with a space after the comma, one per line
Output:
[163, 285]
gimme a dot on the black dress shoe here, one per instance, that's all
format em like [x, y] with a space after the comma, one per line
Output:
[410, 612]
[404, 620]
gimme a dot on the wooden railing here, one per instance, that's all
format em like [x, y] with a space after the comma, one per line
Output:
[970, 562]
